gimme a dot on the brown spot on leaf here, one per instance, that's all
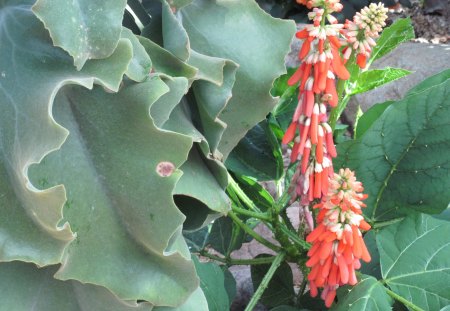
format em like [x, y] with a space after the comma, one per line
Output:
[165, 169]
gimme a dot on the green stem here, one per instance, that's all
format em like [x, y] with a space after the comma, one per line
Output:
[301, 291]
[265, 282]
[233, 185]
[305, 245]
[252, 233]
[283, 202]
[381, 224]
[232, 261]
[257, 215]
[407, 303]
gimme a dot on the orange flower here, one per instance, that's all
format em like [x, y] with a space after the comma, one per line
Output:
[337, 242]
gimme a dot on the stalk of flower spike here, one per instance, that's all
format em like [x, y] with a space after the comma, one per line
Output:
[309, 130]
[362, 31]
[337, 242]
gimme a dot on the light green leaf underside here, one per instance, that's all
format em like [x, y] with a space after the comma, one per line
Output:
[415, 260]
[219, 29]
[197, 301]
[128, 227]
[33, 71]
[24, 287]
[140, 65]
[94, 26]
[175, 38]
[367, 295]
[402, 159]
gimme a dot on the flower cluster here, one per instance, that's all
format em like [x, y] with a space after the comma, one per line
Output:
[312, 136]
[337, 243]
[361, 32]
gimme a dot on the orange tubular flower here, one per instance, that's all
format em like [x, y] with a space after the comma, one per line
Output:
[337, 242]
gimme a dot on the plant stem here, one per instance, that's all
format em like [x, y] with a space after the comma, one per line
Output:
[407, 303]
[232, 261]
[381, 224]
[301, 291]
[252, 233]
[257, 215]
[265, 281]
[305, 245]
[282, 203]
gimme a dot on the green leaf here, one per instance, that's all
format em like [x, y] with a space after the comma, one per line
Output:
[196, 301]
[85, 29]
[196, 240]
[371, 79]
[415, 260]
[140, 65]
[175, 37]
[119, 172]
[24, 287]
[230, 284]
[33, 71]
[257, 155]
[280, 289]
[400, 31]
[225, 236]
[369, 117]
[218, 29]
[367, 295]
[260, 196]
[373, 267]
[402, 158]
[430, 82]
[212, 282]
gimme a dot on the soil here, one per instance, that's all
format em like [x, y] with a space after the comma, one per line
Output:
[430, 19]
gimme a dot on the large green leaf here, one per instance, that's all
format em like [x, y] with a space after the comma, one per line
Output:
[220, 29]
[280, 289]
[399, 32]
[258, 154]
[24, 287]
[402, 159]
[212, 282]
[33, 71]
[119, 171]
[415, 260]
[94, 26]
[367, 295]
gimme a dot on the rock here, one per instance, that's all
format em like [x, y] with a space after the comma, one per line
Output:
[422, 59]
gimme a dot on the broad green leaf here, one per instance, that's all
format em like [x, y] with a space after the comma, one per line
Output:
[257, 155]
[230, 284]
[370, 116]
[140, 65]
[24, 287]
[402, 159]
[119, 171]
[287, 308]
[197, 301]
[32, 72]
[165, 62]
[400, 31]
[430, 82]
[175, 37]
[196, 239]
[415, 260]
[280, 289]
[225, 236]
[371, 79]
[373, 267]
[368, 295]
[85, 29]
[212, 282]
[231, 30]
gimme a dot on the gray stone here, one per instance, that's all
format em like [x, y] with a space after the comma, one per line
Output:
[422, 59]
